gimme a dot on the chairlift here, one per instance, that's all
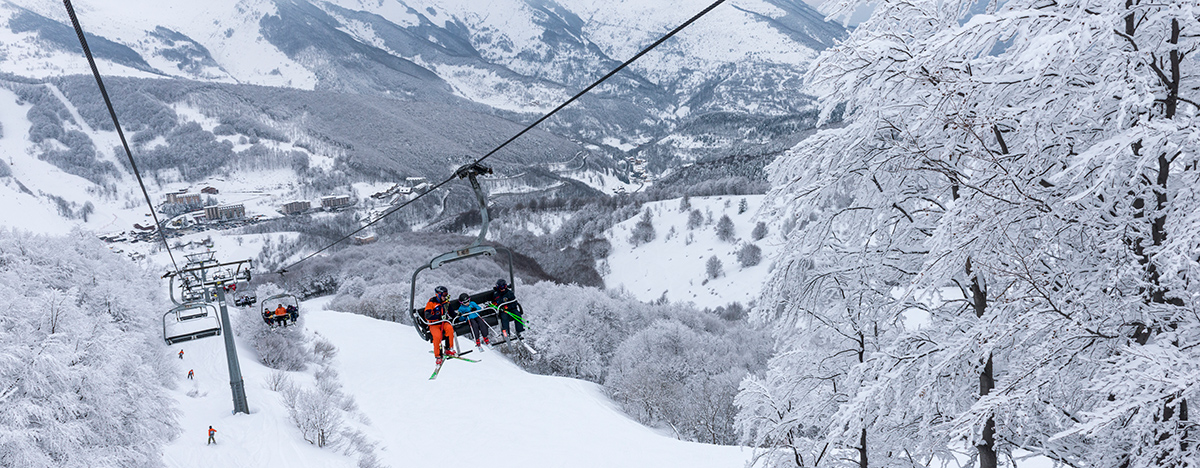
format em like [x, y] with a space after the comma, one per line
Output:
[245, 300]
[491, 316]
[190, 321]
[196, 284]
[267, 308]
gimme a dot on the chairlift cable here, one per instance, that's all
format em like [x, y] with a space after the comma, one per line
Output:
[531, 126]
[113, 113]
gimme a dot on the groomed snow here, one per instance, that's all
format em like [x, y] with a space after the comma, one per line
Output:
[675, 268]
[490, 413]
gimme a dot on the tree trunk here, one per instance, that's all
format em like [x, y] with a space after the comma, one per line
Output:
[862, 449]
[987, 381]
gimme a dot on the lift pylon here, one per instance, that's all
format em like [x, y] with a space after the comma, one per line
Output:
[195, 278]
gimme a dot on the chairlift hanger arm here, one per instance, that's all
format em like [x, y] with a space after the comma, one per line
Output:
[471, 171]
[248, 262]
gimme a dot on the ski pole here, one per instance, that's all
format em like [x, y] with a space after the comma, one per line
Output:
[514, 316]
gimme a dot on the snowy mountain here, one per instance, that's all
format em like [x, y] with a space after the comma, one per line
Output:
[717, 81]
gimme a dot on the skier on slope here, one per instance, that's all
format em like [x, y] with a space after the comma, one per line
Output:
[479, 328]
[211, 435]
[438, 316]
[504, 298]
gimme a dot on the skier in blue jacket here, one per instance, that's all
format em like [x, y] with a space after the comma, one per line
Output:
[468, 308]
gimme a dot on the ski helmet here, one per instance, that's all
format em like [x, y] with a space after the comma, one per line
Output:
[441, 290]
[500, 283]
[463, 297]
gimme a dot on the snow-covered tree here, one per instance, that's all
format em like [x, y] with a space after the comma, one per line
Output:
[1039, 162]
[695, 219]
[714, 268]
[643, 230]
[759, 232]
[83, 372]
[749, 255]
[725, 229]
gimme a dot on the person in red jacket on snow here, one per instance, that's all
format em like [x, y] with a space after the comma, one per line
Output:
[438, 315]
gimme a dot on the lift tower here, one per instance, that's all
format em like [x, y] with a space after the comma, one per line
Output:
[205, 277]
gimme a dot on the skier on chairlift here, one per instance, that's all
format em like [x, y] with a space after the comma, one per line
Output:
[438, 315]
[503, 297]
[281, 315]
[470, 309]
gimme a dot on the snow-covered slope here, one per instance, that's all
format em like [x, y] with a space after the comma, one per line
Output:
[489, 413]
[674, 266]
[263, 438]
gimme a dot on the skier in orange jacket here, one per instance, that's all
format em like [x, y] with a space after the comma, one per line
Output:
[437, 314]
[281, 315]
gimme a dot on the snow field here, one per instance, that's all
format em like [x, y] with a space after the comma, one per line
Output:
[265, 438]
[490, 412]
[675, 268]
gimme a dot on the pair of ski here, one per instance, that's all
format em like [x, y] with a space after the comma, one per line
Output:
[456, 356]
[518, 340]
[507, 337]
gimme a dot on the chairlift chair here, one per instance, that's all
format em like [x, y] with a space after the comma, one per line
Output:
[190, 321]
[461, 327]
[268, 305]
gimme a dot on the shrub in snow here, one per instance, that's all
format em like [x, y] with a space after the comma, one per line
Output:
[733, 312]
[354, 287]
[672, 375]
[743, 206]
[713, 268]
[759, 232]
[685, 204]
[695, 219]
[643, 231]
[725, 230]
[749, 255]
[278, 380]
[82, 361]
[314, 413]
[611, 338]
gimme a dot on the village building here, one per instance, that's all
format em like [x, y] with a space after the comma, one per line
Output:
[295, 207]
[224, 212]
[335, 201]
[365, 239]
[184, 199]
